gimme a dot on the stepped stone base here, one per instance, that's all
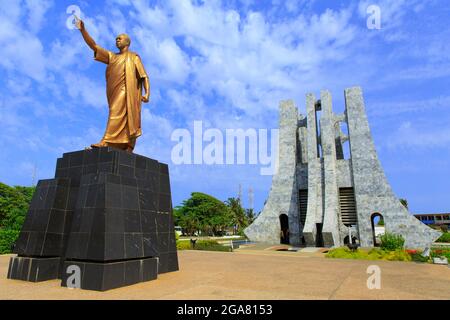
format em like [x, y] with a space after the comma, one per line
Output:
[107, 211]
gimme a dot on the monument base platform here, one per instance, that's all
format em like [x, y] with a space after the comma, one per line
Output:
[106, 215]
[33, 269]
[102, 276]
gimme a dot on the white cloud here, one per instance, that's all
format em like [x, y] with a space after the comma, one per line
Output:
[36, 11]
[241, 58]
[156, 132]
[81, 88]
[26, 168]
[69, 141]
[156, 125]
[409, 135]
[166, 61]
[21, 51]
[190, 106]
[395, 108]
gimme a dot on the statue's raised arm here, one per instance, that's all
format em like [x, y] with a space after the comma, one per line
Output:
[87, 38]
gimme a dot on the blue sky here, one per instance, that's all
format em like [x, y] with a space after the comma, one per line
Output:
[229, 64]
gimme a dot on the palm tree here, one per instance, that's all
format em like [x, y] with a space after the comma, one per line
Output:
[250, 215]
[239, 214]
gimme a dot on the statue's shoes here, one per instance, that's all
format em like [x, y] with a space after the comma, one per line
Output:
[99, 145]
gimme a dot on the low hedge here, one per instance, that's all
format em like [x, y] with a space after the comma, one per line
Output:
[372, 254]
[209, 245]
[392, 255]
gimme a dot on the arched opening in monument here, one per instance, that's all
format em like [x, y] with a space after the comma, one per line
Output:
[319, 236]
[284, 229]
[377, 222]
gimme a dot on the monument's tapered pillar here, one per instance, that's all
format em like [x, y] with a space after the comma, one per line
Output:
[314, 202]
[330, 230]
[373, 193]
[283, 195]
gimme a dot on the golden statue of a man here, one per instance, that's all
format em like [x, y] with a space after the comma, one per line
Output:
[125, 76]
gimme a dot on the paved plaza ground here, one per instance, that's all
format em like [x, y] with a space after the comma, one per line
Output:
[258, 273]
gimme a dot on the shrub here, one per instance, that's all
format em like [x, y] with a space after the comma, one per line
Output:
[346, 253]
[418, 257]
[397, 255]
[210, 245]
[373, 254]
[444, 228]
[183, 245]
[391, 241]
[440, 252]
[206, 243]
[376, 254]
[7, 238]
[445, 237]
[343, 253]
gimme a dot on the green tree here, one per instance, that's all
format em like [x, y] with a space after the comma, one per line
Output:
[14, 203]
[250, 215]
[204, 213]
[14, 198]
[240, 219]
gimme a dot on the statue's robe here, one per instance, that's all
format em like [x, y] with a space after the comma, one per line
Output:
[124, 80]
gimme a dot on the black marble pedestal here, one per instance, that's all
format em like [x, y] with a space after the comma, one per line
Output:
[106, 211]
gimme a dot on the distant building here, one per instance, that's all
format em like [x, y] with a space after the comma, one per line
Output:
[434, 218]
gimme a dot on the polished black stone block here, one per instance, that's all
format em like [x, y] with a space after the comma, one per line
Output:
[33, 269]
[105, 210]
[105, 276]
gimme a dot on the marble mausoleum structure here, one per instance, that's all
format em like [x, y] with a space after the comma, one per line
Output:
[321, 196]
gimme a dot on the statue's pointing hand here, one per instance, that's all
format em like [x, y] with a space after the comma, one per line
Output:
[79, 24]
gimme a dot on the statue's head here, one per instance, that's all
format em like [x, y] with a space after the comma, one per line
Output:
[122, 40]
